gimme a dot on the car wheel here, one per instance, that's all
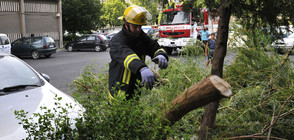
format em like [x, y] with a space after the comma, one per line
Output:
[48, 55]
[70, 48]
[97, 48]
[35, 55]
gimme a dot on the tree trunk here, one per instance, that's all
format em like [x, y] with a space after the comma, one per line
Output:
[210, 89]
[217, 67]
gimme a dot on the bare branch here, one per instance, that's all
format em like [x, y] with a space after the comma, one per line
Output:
[273, 118]
[83, 86]
[287, 56]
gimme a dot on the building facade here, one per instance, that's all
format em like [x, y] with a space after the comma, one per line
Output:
[24, 18]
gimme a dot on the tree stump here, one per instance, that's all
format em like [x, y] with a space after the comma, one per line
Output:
[202, 93]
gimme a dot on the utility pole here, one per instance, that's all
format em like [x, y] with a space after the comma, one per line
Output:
[22, 18]
[59, 16]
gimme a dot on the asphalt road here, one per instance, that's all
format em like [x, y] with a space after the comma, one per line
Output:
[63, 67]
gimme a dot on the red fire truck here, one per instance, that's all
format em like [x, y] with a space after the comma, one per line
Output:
[176, 27]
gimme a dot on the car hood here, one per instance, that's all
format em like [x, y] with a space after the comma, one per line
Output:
[288, 42]
[30, 101]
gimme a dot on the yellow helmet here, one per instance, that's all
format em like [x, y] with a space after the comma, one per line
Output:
[136, 15]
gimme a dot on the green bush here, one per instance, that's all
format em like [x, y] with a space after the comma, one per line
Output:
[48, 124]
[194, 49]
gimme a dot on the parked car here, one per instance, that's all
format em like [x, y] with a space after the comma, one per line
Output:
[23, 88]
[87, 42]
[5, 45]
[146, 28]
[285, 44]
[151, 32]
[34, 47]
[105, 39]
[109, 36]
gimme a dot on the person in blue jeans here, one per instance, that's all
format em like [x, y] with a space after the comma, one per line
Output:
[204, 35]
[209, 49]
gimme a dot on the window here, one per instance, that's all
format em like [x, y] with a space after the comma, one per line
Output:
[36, 41]
[91, 38]
[17, 42]
[4, 40]
[27, 41]
[175, 17]
[49, 39]
[83, 38]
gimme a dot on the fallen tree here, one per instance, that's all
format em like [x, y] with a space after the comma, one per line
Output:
[210, 89]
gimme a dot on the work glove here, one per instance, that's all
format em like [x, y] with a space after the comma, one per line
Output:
[148, 78]
[161, 61]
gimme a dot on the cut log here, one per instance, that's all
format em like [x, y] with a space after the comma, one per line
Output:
[202, 93]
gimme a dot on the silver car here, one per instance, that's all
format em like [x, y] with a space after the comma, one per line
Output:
[22, 88]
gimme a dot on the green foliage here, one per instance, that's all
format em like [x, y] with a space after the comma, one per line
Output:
[50, 124]
[150, 5]
[112, 9]
[81, 15]
[252, 13]
[261, 86]
[193, 49]
[136, 119]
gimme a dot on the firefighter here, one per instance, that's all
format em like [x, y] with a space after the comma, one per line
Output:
[128, 49]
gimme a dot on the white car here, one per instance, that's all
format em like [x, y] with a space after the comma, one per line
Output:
[5, 45]
[286, 42]
[23, 88]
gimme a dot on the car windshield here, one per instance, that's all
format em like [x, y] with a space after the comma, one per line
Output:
[175, 17]
[4, 40]
[279, 32]
[13, 72]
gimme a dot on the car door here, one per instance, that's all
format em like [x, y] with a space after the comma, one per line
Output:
[90, 43]
[80, 44]
[16, 47]
[26, 48]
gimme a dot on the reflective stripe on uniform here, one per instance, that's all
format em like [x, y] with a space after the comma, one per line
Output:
[158, 51]
[129, 59]
[120, 93]
[110, 96]
[126, 76]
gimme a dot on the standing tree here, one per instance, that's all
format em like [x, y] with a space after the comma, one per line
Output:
[150, 5]
[113, 9]
[252, 13]
[81, 15]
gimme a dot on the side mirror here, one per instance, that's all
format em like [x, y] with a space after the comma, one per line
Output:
[45, 76]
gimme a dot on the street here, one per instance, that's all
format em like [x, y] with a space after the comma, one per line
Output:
[63, 67]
